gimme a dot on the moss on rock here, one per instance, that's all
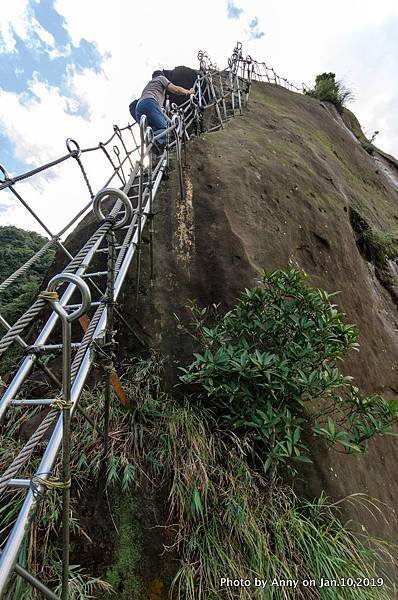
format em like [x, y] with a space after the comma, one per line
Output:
[123, 575]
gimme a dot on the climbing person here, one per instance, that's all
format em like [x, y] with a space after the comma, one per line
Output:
[132, 107]
[152, 100]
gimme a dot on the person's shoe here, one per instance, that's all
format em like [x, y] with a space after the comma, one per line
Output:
[157, 151]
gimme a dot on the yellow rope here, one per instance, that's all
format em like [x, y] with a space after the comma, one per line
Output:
[51, 483]
[61, 404]
[49, 296]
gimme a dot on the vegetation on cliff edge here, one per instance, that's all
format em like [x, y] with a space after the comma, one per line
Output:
[17, 246]
[328, 89]
[267, 370]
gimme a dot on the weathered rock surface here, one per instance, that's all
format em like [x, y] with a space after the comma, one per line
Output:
[279, 186]
[276, 187]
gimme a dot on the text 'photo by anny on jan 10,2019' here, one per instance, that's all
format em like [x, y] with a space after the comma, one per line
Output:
[198, 300]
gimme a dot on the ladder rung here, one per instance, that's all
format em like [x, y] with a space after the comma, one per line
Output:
[126, 227]
[101, 250]
[19, 483]
[138, 183]
[50, 347]
[33, 402]
[97, 274]
[79, 305]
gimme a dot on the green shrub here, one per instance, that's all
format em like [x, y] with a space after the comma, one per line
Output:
[328, 89]
[378, 247]
[225, 517]
[272, 361]
[17, 246]
[228, 521]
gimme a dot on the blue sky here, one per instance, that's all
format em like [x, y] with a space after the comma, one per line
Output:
[41, 57]
[44, 60]
[68, 68]
[46, 54]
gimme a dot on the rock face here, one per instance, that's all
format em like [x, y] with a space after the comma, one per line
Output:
[285, 184]
[183, 76]
[282, 185]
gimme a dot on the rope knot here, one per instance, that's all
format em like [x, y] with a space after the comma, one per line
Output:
[61, 404]
[49, 296]
[49, 483]
[31, 350]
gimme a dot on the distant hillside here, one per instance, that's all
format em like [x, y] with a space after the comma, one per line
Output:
[16, 247]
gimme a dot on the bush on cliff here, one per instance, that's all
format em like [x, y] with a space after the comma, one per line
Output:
[268, 369]
[228, 521]
[327, 89]
[17, 246]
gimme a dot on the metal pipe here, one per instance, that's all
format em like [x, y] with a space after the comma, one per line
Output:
[66, 320]
[151, 255]
[70, 306]
[34, 582]
[143, 127]
[66, 446]
[19, 483]
[32, 402]
[97, 274]
[50, 347]
[213, 93]
[109, 334]
[223, 97]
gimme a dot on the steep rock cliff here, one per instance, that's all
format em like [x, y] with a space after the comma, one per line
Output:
[286, 184]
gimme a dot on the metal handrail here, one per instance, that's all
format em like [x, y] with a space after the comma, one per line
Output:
[145, 178]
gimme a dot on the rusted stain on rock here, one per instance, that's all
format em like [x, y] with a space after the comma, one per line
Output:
[184, 235]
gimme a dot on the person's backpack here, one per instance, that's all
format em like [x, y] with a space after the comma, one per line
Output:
[132, 108]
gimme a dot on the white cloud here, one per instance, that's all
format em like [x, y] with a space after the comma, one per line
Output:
[14, 19]
[17, 20]
[38, 129]
[58, 52]
[355, 39]
[38, 124]
[43, 34]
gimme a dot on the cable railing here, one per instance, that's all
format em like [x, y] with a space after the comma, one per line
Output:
[96, 273]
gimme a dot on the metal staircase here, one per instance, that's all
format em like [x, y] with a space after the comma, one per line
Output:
[84, 298]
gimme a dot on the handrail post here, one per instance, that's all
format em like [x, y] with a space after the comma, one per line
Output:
[109, 333]
[65, 405]
[149, 138]
[110, 290]
[143, 152]
[176, 120]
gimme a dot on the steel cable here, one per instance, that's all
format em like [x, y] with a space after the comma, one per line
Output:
[240, 71]
[7, 282]
[27, 450]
